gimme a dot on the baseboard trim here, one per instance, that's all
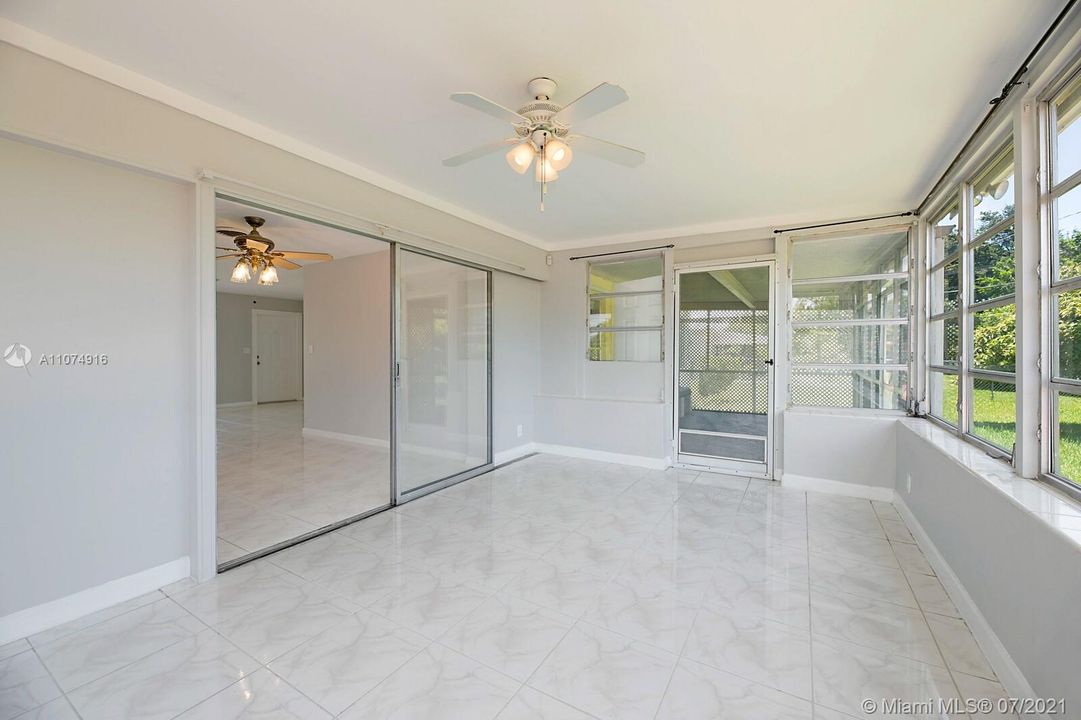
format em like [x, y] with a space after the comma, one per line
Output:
[1011, 677]
[35, 619]
[836, 487]
[343, 437]
[603, 456]
[506, 456]
[245, 403]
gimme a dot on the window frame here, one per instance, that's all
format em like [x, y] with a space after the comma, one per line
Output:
[1053, 385]
[906, 319]
[956, 313]
[962, 197]
[658, 329]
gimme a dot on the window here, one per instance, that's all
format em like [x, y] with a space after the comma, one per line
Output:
[1065, 322]
[972, 312]
[849, 330]
[944, 328]
[626, 309]
[990, 309]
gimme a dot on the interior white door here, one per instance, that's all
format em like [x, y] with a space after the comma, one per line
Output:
[277, 357]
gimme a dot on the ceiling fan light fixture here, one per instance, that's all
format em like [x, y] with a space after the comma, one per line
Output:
[241, 271]
[558, 153]
[544, 171]
[268, 275]
[521, 156]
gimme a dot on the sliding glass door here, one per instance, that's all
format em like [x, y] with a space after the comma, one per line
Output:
[442, 373]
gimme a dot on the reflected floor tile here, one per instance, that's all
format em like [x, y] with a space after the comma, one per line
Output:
[236, 591]
[760, 650]
[606, 674]
[772, 598]
[166, 683]
[960, 649]
[669, 569]
[876, 582]
[756, 562]
[931, 595]
[977, 688]
[386, 529]
[259, 695]
[325, 556]
[876, 551]
[285, 620]
[846, 674]
[912, 559]
[878, 624]
[699, 692]
[338, 666]
[59, 709]
[643, 612]
[578, 551]
[438, 683]
[366, 587]
[489, 567]
[228, 551]
[508, 634]
[566, 591]
[896, 530]
[533, 536]
[530, 704]
[429, 603]
[102, 648]
[24, 684]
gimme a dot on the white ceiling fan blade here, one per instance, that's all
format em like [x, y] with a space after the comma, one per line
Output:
[488, 107]
[618, 154]
[597, 100]
[475, 153]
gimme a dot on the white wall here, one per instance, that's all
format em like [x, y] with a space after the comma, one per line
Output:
[95, 462]
[516, 314]
[1023, 575]
[234, 338]
[854, 449]
[347, 346]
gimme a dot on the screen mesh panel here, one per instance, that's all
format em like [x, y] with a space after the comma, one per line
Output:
[722, 356]
[722, 447]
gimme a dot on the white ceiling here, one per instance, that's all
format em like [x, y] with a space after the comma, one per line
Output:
[750, 114]
[288, 233]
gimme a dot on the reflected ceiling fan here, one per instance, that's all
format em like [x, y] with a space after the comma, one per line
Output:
[256, 253]
[542, 131]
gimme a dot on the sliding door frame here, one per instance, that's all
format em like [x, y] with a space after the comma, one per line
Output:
[401, 495]
[203, 562]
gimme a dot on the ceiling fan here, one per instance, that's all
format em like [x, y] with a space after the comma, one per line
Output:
[256, 253]
[542, 131]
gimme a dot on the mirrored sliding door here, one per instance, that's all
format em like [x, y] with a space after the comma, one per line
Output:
[442, 373]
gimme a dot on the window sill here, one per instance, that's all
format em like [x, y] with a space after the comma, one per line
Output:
[1057, 510]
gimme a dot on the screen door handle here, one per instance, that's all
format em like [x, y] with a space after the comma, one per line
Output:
[769, 362]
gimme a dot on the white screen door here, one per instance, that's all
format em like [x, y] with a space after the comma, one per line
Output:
[724, 368]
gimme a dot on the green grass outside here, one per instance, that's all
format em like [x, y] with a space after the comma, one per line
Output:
[993, 420]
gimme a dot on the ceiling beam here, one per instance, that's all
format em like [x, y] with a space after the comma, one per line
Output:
[734, 286]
